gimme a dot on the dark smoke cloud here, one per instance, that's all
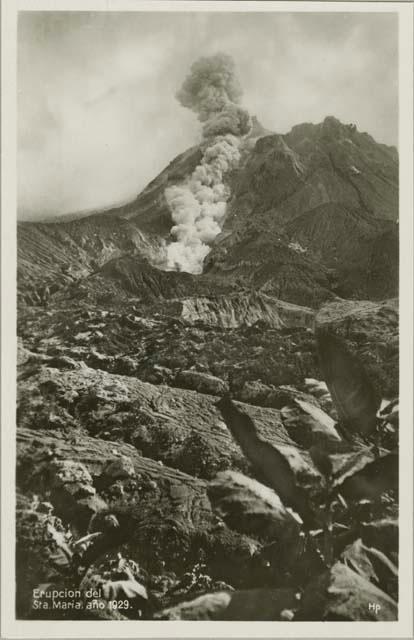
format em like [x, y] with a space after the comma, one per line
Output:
[210, 86]
[213, 91]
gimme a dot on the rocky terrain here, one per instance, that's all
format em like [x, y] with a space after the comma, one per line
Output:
[212, 446]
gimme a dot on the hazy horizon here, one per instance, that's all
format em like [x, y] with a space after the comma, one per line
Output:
[97, 113]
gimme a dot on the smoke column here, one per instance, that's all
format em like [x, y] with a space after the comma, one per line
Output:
[198, 205]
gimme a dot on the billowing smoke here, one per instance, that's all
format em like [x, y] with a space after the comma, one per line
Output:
[198, 205]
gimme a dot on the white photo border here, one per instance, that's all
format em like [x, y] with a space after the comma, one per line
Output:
[12, 628]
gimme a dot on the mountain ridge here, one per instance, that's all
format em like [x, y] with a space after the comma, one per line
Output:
[309, 217]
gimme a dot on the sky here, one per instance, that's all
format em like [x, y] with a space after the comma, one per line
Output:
[97, 113]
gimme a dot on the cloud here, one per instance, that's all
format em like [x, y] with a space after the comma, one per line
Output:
[97, 116]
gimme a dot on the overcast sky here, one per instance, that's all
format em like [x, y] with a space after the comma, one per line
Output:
[97, 116]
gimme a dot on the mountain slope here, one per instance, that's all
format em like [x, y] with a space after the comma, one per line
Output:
[313, 215]
[314, 207]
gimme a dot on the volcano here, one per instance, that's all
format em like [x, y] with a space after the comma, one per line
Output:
[136, 470]
[312, 215]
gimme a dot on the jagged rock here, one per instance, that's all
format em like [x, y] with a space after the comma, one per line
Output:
[255, 604]
[69, 485]
[23, 354]
[250, 507]
[120, 468]
[342, 594]
[370, 332]
[68, 472]
[39, 558]
[373, 565]
[240, 310]
[356, 400]
[254, 392]
[126, 365]
[76, 508]
[161, 375]
[270, 396]
[94, 395]
[311, 420]
[268, 354]
[284, 468]
[375, 476]
[275, 397]
[172, 520]
[45, 507]
[382, 534]
[79, 490]
[322, 425]
[299, 425]
[319, 390]
[83, 336]
[64, 362]
[201, 382]
[100, 360]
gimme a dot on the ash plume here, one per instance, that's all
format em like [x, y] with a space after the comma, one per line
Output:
[198, 205]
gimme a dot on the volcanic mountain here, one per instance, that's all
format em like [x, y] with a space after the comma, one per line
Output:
[129, 449]
[313, 215]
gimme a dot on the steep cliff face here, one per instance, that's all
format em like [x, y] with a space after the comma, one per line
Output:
[56, 255]
[240, 310]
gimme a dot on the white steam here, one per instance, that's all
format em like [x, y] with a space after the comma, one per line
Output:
[198, 205]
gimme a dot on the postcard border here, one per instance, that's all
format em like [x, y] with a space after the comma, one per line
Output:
[12, 628]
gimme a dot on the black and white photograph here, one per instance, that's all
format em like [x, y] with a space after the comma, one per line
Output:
[208, 230]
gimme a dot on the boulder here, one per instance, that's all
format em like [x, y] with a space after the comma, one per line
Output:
[67, 472]
[382, 534]
[257, 393]
[65, 362]
[370, 331]
[120, 468]
[250, 507]
[372, 564]
[342, 594]
[201, 382]
[125, 365]
[254, 604]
